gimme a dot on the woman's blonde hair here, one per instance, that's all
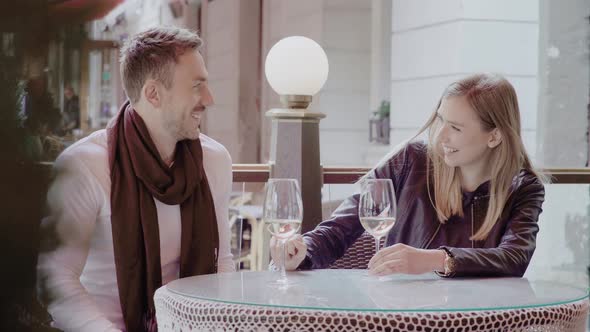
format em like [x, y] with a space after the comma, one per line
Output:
[494, 101]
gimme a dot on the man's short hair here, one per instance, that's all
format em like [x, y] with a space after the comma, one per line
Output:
[152, 54]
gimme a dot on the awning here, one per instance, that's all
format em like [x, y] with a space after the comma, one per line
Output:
[79, 11]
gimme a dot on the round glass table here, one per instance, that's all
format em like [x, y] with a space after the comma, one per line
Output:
[344, 300]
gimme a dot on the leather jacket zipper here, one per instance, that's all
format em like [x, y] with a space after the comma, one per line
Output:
[475, 199]
[472, 204]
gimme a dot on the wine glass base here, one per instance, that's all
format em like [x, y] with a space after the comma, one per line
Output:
[366, 276]
[282, 283]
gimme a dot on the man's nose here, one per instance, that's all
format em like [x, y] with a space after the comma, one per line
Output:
[207, 98]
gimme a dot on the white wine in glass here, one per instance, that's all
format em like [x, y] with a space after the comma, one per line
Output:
[377, 226]
[282, 213]
[283, 229]
[377, 208]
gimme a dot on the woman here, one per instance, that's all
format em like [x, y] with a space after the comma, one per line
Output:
[468, 200]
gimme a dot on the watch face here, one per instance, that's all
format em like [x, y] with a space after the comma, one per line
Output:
[449, 265]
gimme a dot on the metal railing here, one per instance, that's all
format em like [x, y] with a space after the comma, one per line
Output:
[341, 175]
[259, 173]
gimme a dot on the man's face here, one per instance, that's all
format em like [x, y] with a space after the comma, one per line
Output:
[185, 102]
[68, 93]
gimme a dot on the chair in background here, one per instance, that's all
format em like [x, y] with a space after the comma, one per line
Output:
[359, 254]
[240, 211]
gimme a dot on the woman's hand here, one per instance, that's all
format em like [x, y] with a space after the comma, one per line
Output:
[401, 258]
[295, 250]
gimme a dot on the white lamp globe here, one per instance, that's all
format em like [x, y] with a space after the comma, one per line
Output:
[296, 66]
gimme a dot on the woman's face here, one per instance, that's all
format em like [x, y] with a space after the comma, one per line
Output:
[460, 137]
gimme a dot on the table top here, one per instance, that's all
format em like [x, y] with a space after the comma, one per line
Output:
[354, 290]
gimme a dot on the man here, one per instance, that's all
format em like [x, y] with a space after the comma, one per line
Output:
[71, 112]
[145, 201]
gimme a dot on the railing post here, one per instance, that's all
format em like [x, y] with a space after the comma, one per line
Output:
[295, 153]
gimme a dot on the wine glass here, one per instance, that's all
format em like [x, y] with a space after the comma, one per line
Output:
[377, 207]
[282, 213]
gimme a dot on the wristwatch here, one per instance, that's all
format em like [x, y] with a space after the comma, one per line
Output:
[449, 263]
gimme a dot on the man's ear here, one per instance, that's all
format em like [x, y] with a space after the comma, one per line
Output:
[495, 138]
[151, 92]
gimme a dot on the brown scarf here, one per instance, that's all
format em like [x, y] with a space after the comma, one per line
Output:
[138, 175]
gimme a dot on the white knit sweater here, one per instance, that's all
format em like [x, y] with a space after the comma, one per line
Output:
[81, 272]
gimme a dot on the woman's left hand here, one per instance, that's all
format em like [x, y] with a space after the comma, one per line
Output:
[401, 258]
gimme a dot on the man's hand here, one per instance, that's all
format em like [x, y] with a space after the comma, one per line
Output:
[295, 250]
[401, 258]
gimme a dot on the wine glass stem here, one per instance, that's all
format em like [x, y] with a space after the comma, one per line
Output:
[283, 256]
[377, 240]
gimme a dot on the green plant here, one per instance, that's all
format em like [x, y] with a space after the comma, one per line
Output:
[22, 196]
[383, 110]
[11, 92]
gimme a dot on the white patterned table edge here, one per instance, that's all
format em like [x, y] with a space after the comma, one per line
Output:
[177, 313]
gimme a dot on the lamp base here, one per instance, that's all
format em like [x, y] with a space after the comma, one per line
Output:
[295, 101]
[294, 114]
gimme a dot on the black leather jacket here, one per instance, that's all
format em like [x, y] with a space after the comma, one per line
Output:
[507, 250]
